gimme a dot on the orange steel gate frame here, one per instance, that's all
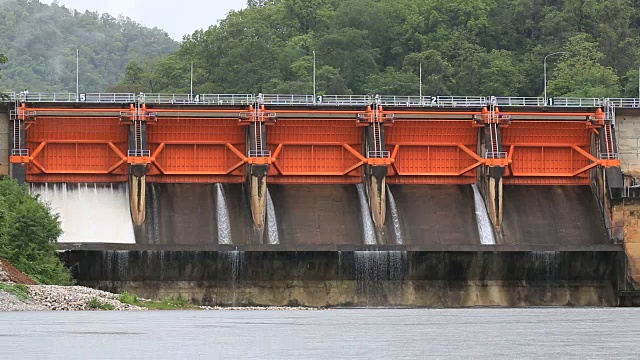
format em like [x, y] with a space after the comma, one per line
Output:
[308, 146]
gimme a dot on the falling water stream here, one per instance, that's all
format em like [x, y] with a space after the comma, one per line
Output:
[90, 213]
[223, 220]
[395, 218]
[367, 222]
[485, 229]
[272, 223]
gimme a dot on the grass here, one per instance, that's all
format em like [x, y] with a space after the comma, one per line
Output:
[178, 303]
[21, 291]
[98, 305]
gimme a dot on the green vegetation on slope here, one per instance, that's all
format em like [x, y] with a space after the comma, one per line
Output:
[40, 42]
[21, 291]
[466, 47]
[28, 235]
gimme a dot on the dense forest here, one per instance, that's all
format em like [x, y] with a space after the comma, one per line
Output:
[466, 47]
[40, 42]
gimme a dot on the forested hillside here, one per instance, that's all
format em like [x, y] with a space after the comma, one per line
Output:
[466, 47]
[40, 43]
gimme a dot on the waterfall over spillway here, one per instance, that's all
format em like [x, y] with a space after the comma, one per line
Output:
[395, 217]
[90, 213]
[272, 223]
[485, 228]
[369, 232]
[224, 222]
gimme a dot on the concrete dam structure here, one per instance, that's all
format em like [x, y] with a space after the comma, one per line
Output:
[339, 200]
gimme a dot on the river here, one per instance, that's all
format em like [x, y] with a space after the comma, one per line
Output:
[579, 333]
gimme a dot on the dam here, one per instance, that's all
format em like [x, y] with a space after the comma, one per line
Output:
[338, 200]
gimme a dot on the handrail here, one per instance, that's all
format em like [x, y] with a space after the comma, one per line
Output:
[47, 97]
[496, 155]
[323, 100]
[392, 100]
[259, 153]
[19, 152]
[108, 97]
[519, 101]
[156, 98]
[138, 153]
[576, 102]
[225, 99]
[380, 154]
[283, 99]
[625, 102]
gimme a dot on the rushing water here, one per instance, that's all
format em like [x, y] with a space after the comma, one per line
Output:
[375, 269]
[395, 218]
[485, 229]
[272, 222]
[369, 231]
[223, 220]
[90, 212]
[558, 333]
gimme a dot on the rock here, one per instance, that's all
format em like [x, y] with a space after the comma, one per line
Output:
[10, 302]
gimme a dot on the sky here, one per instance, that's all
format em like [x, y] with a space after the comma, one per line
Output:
[178, 18]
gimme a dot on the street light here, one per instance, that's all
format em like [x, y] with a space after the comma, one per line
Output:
[545, 72]
[314, 77]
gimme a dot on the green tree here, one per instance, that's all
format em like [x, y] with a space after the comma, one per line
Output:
[393, 82]
[28, 234]
[580, 73]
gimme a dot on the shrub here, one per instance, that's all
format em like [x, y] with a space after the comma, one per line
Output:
[96, 304]
[28, 234]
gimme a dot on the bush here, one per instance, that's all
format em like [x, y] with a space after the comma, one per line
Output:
[28, 234]
[128, 298]
[99, 305]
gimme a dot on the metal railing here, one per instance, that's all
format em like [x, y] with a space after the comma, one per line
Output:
[575, 102]
[608, 156]
[391, 100]
[259, 153]
[496, 155]
[165, 98]
[324, 100]
[19, 152]
[518, 101]
[460, 101]
[225, 99]
[108, 97]
[384, 154]
[47, 97]
[139, 153]
[625, 102]
[346, 100]
[281, 99]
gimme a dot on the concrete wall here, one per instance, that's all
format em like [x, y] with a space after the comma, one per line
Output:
[628, 135]
[359, 278]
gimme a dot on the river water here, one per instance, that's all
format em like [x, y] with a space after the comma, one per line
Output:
[584, 333]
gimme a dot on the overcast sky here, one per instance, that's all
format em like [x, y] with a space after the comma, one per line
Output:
[178, 18]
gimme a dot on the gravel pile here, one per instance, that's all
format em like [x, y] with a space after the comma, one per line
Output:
[10, 302]
[72, 298]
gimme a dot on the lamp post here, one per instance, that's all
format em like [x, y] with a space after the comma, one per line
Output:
[314, 77]
[545, 72]
[77, 74]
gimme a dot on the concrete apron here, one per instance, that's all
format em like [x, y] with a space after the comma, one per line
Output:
[387, 278]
